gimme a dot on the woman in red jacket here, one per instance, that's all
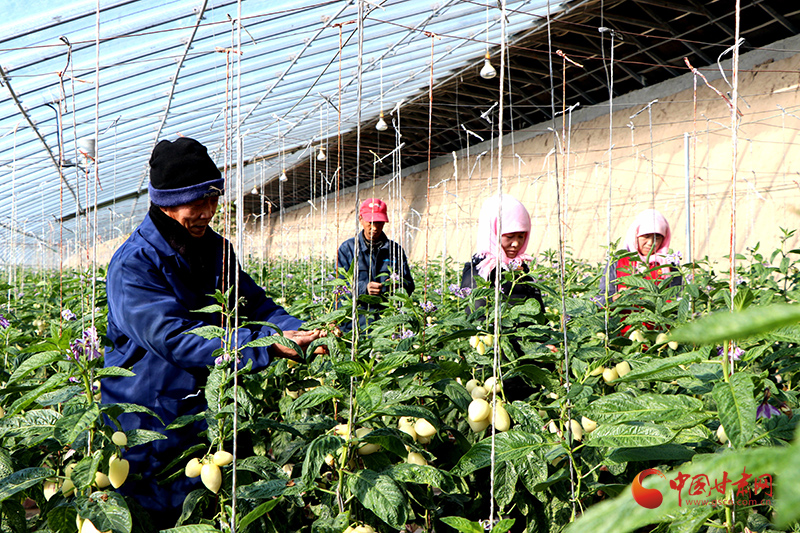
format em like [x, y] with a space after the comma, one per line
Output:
[648, 237]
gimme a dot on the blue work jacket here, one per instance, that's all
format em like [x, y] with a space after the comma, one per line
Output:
[151, 298]
[376, 262]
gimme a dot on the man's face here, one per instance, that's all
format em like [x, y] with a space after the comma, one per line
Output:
[195, 216]
[372, 230]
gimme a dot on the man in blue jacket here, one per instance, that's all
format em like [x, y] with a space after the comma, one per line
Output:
[382, 265]
[167, 269]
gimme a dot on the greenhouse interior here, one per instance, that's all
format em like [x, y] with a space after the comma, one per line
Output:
[410, 266]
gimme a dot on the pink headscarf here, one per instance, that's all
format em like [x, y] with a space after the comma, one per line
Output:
[649, 221]
[515, 219]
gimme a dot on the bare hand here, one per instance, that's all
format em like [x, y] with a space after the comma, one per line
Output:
[374, 288]
[302, 338]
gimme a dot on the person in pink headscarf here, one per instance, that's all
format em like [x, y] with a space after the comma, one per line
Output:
[504, 228]
[648, 237]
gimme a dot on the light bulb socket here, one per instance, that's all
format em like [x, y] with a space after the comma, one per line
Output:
[283, 177]
[381, 125]
[321, 154]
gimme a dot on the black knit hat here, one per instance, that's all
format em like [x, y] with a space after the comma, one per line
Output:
[182, 172]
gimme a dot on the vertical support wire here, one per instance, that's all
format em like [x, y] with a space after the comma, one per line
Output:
[561, 266]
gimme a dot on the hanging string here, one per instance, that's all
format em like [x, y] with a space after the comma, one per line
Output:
[561, 269]
[610, 77]
[734, 158]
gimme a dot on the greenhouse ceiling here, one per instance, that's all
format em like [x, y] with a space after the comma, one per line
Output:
[132, 72]
[89, 87]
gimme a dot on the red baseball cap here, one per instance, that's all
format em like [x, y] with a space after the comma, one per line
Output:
[373, 210]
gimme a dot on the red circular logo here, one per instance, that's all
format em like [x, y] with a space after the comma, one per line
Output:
[649, 498]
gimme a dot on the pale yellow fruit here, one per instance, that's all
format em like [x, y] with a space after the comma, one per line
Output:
[478, 410]
[721, 436]
[424, 440]
[366, 448]
[343, 430]
[481, 348]
[288, 468]
[409, 429]
[405, 421]
[416, 458]
[502, 422]
[67, 488]
[478, 393]
[600, 335]
[597, 371]
[673, 345]
[68, 469]
[474, 341]
[363, 529]
[349, 529]
[291, 363]
[50, 488]
[88, 527]
[101, 480]
[424, 428]
[553, 428]
[622, 368]
[479, 426]
[488, 340]
[118, 471]
[662, 338]
[492, 386]
[471, 384]
[577, 430]
[193, 467]
[610, 374]
[119, 438]
[222, 458]
[293, 394]
[211, 476]
[588, 424]
[636, 336]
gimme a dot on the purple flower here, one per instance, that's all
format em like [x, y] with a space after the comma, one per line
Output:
[341, 290]
[438, 291]
[317, 299]
[734, 352]
[394, 277]
[222, 359]
[428, 307]
[404, 335]
[66, 314]
[289, 276]
[765, 410]
[675, 258]
[453, 288]
[88, 345]
[514, 264]
[4, 323]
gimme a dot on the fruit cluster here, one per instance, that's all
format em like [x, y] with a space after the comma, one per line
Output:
[479, 412]
[208, 469]
[481, 342]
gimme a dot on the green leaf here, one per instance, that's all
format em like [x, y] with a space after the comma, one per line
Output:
[32, 363]
[193, 528]
[662, 369]
[423, 474]
[622, 407]
[267, 489]
[722, 325]
[113, 410]
[23, 479]
[315, 455]
[256, 513]
[314, 397]
[350, 368]
[113, 371]
[409, 410]
[68, 428]
[381, 495]
[263, 342]
[142, 436]
[369, 397]
[107, 511]
[629, 435]
[455, 391]
[661, 453]
[463, 525]
[505, 483]
[510, 446]
[503, 525]
[737, 408]
[83, 474]
[207, 332]
[53, 383]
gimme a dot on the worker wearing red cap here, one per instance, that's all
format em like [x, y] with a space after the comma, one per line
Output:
[382, 265]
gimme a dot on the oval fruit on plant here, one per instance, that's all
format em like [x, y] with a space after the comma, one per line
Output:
[478, 393]
[211, 476]
[193, 467]
[662, 338]
[597, 371]
[118, 471]
[721, 436]
[622, 368]
[479, 426]
[49, 488]
[101, 480]
[471, 384]
[119, 438]
[502, 422]
[222, 458]
[367, 448]
[588, 424]
[610, 374]
[424, 428]
[492, 386]
[577, 430]
[673, 345]
[478, 410]
[416, 458]
[636, 336]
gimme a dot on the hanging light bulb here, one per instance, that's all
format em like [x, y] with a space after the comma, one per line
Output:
[321, 154]
[488, 72]
[254, 191]
[283, 177]
[381, 124]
